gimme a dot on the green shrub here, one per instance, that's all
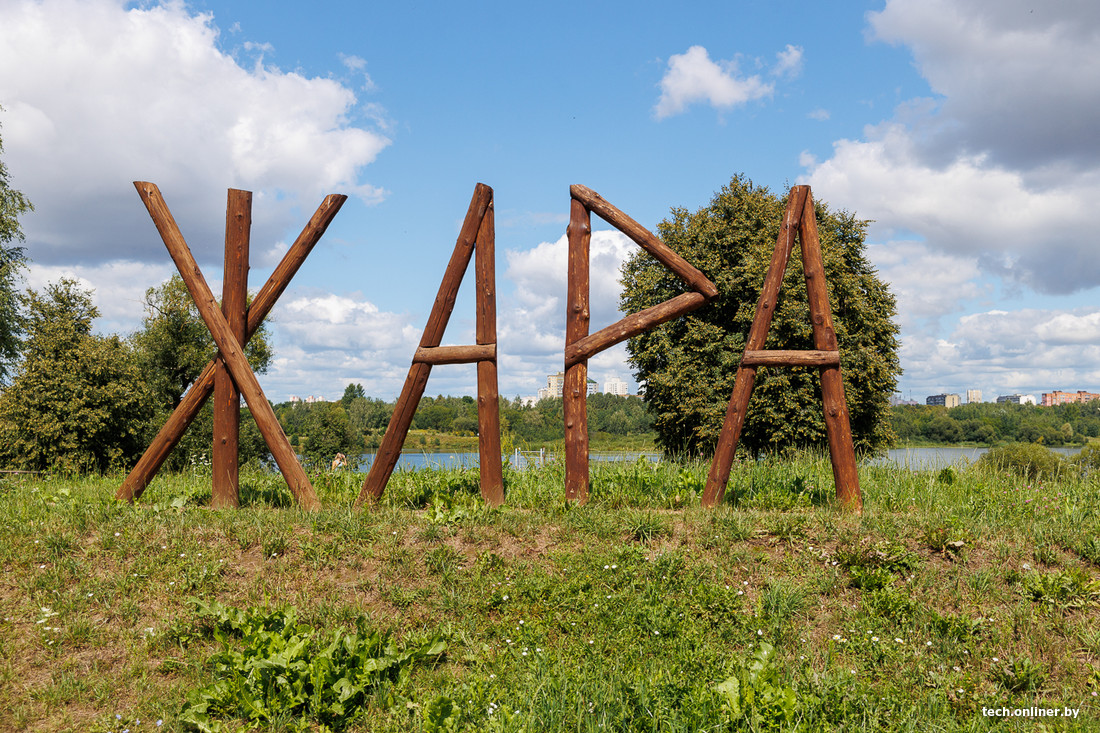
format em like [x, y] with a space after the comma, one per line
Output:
[272, 671]
[1026, 460]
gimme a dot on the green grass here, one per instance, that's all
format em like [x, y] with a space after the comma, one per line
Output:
[640, 611]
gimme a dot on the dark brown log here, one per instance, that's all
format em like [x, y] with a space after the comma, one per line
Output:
[838, 429]
[488, 399]
[779, 357]
[230, 350]
[225, 463]
[455, 354]
[726, 448]
[632, 325]
[575, 389]
[390, 450]
[173, 429]
[646, 240]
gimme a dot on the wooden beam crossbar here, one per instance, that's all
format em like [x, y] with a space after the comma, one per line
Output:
[455, 354]
[779, 357]
[800, 218]
[230, 340]
[476, 239]
[580, 346]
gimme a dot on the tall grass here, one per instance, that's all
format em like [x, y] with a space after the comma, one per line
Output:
[955, 591]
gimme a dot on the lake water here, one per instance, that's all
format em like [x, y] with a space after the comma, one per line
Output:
[519, 459]
[924, 459]
[919, 459]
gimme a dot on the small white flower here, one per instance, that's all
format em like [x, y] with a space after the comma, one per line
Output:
[898, 641]
[117, 534]
[995, 659]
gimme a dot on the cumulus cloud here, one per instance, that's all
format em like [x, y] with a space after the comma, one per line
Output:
[1027, 350]
[531, 326]
[788, 62]
[693, 77]
[1018, 79]
[1001, 167]
[98, 94]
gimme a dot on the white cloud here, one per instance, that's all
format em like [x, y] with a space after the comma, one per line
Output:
[788, 62]
[994, 177]
[99, 94]
[928, 285]
[1003, 167]
[819, 114]
[119, 288]
[692, 77]
[1018, 79]
[1026, 351]
[531, 326]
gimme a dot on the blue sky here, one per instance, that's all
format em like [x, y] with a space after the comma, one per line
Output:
[964, 129]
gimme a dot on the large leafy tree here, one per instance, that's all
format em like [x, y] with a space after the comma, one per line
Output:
[175, 344]
[78, 401]
[12, 259]
[688, 365]
[172, 347]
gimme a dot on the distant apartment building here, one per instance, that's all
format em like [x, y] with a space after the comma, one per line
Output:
[973, 395]
[943, 400]
[616, 386]
[1057, 397]
[555, 386]
[1017, 399]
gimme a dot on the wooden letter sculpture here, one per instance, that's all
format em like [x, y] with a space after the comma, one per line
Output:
[229, 371]
[826, 356]
[580, 346]
[477, 233]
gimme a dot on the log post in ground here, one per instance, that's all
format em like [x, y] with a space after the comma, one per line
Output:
[838, 430]
[488, 398]
[580, 346]
[230, 350]
[726, 448]
[825, 356]
[175, 426]
[225, 459]
[385, 460]
[575, 388]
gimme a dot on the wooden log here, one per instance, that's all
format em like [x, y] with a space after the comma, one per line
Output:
[724, 451]
[225, 461]
[173, 429]
[394, 438]
[780, 357]
[632, 325]
[231, 351]
[684, 270]
[838, 429]
[575, 389]
[488, 399]
[455, 354]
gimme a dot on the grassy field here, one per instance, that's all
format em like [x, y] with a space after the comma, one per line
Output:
[956, 591]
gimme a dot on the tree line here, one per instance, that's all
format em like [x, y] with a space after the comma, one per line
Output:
[988, 423]
[355, 424]
[81, 402]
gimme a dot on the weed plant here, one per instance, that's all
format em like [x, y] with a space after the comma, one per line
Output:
[639, 611]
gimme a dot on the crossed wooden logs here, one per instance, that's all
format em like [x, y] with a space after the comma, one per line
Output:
[229, 376]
